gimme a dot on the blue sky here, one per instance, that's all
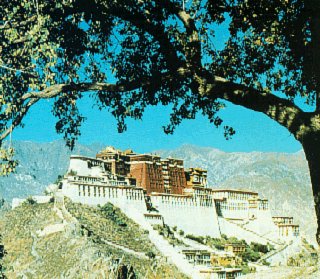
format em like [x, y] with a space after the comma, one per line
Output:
[254, 131]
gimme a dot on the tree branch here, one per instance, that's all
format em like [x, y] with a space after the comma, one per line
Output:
[10, 25]
[16, 122]
[156, 31]
[194, 55]
[281, 110]
[55, 90]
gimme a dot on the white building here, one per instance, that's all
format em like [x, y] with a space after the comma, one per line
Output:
[201, 212]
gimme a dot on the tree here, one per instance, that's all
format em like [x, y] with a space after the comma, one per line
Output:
[163, 52]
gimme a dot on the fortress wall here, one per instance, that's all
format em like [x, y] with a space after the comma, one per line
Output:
[235, 214]
[80, 166]
[193, 216]
[130, 200]
[230, 229]
[234, 209]
[263, 224]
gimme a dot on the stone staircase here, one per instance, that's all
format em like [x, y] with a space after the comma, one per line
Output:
[272, 253]
[242, 226]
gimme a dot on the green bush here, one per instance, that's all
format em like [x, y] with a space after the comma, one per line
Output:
[150, 255]
[257, 247]
[199, 239]
[30, 200]
[60, 177]
[250, 256]
[113, 214]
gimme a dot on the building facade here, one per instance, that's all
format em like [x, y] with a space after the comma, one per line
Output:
[196, 177]
[161, 191]
[151, 172]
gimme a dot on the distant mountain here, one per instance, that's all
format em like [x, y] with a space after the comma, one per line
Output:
[39, 165]
[283, 178]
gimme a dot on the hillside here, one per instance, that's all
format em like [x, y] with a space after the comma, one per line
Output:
[44, 241]
[281, 177]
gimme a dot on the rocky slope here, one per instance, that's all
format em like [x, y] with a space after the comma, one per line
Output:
[46, 241]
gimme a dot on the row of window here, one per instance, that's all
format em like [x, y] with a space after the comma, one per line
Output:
[96, 191]
[188, 203]
[233, 206]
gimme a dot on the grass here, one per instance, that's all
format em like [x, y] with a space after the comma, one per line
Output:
[168, 233]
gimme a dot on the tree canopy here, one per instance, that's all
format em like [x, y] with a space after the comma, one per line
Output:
[130, 54]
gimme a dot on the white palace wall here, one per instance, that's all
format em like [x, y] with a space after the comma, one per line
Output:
[80, 165]
[129, 199]
[192, 215]
[231, 229]
[263, 224]
[241, 214]
[234, 209]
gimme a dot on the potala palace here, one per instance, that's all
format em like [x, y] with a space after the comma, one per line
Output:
[151, 189]
[155, 191]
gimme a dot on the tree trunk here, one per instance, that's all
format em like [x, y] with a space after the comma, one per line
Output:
[311, 146]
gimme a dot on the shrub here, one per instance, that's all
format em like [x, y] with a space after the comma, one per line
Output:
[264, 262]
[257, 247]
[250, 256]
[59, 178]
[199, 239]
[72, 172]
[30, 200]
[113, 214]
[150, 255]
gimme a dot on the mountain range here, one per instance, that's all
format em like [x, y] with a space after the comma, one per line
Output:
[283, 178]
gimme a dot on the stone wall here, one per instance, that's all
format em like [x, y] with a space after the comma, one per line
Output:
[192, 215]
[130, 200]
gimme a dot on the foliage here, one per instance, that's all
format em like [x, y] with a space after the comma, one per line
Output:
[166, 52]
[252, 253]
[170, 55]
[30, 200]
[113, 214]
[60, 177]
[167, 233]
[199, 239]
[261, 248]
[150, 255]
[217, 243]
[250, 256]
[2, 254]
